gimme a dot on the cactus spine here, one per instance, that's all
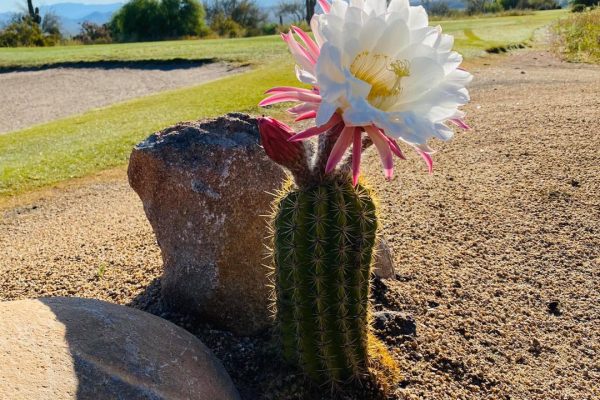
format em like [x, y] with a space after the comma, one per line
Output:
[323, 244]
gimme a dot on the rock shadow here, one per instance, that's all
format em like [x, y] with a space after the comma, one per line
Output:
[125, 354]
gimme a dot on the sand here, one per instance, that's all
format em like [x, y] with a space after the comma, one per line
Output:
[33, 97]
[497, 252]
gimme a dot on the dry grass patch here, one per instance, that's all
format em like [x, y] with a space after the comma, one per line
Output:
[577, 37]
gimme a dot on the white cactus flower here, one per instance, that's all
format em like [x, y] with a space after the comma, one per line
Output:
[377, 69]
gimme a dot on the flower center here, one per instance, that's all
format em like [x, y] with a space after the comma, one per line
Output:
[383, 73]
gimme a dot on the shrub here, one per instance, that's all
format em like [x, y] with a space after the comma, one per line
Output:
[30, 29]
[245, 13]
[439, 8]
[51, 29]
[493, 7]
[226, 27]
[577, 37]
[270, 29]
[91, 33]
[577, 8]
[143, 20]
[51, 24]
[22, 31]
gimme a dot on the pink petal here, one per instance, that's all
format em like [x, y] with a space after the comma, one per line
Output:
[383, 147]
[281, 89]
[301, 55]
[325, 6]
[427, 158]
[339, 148]
[356, 155]
[393, 145]
[315, 130]
[396, 149]
[460, 123]
[274, 137]
[289, 96]
[310, 44]
[303, 108]
[306, 115]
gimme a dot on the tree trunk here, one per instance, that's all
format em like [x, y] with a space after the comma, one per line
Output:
[310, 9]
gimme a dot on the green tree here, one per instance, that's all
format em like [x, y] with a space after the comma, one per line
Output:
[91, 33]
[293, 9]
[51, 24]
[245, 13]
[587, 3]
[143, 20]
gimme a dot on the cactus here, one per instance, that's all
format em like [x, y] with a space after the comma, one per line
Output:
[323, 245]
[34, 13]
[324, 231]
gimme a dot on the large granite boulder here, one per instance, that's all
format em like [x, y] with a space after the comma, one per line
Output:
[72, 348]
[205, 187]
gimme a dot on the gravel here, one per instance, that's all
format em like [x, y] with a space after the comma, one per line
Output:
[497, 253]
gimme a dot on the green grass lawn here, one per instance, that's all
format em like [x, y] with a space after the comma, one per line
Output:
[233, 50]
[99, 139]
[474, 36]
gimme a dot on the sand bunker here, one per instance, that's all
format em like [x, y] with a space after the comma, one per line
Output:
[33, 97]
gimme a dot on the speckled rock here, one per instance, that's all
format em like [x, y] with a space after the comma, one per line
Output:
[383, 266]
[205, 187]
[73, 348]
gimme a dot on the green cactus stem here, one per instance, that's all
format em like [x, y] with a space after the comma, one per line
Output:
[323, 247]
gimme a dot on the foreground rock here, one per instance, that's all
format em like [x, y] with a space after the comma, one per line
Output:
[205, 186]
[394, 323]
[72, 348]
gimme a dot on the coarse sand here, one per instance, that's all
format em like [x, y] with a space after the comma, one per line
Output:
[497, 252]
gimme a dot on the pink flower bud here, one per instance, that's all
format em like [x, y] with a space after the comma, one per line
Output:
[274, 137]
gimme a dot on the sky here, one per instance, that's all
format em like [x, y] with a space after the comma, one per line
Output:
[17, 5]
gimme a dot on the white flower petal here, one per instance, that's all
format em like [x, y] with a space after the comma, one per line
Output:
[425, 73]
[443, 132]
[305, 76]
[393, 38]
[324, 113]
[361, 113]
[356, 87]
[357, 3]
[376, 7]
[371, 32]
[418, 17]
[338, 8]
[315, 22]
[401, 6]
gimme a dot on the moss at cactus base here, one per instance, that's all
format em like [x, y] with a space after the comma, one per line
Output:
[323, 248]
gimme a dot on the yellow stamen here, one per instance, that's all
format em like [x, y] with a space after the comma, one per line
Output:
[383, 74]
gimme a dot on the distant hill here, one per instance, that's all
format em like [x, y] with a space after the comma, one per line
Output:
[78, 11]
[72, 15]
